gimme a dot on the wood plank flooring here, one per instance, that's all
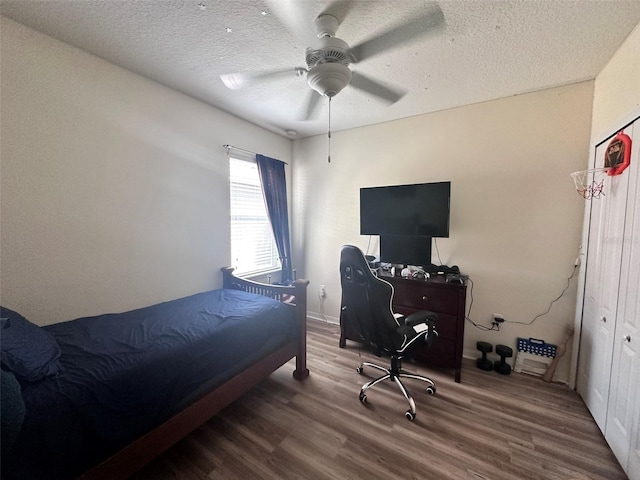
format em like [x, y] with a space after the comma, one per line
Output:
[489, 426]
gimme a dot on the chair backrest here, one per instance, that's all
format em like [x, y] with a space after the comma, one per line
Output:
[366, 300]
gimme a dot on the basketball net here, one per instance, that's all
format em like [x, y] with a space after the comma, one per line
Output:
[590, 183]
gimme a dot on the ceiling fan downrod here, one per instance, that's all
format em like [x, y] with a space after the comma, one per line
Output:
[329, 134]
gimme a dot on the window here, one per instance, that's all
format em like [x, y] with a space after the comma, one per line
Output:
[252, 246]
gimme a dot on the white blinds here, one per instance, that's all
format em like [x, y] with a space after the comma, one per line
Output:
[252, 246]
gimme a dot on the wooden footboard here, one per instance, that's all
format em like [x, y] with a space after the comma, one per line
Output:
[134, 456]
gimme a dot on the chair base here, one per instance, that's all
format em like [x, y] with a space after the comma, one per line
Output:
[395, 373]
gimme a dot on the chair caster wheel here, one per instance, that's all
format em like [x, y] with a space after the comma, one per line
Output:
[359, 370]
[363, 398]
[410, 415]
[431, 390]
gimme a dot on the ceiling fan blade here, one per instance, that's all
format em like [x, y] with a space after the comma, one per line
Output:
[312, 104]
[296, 19]
[236, 81]
[429, 22]
[339, 9]
[366, 84]
[292, 15]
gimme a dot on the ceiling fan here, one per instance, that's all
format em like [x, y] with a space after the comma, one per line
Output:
[328, 63]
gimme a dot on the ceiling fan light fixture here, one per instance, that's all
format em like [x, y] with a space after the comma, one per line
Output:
[329, 79]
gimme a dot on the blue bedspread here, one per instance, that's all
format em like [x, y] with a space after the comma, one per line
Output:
[124, 374]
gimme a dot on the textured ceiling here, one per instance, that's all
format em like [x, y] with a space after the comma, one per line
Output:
[484, 49]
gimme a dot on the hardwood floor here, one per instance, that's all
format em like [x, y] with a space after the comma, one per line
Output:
[489, 426]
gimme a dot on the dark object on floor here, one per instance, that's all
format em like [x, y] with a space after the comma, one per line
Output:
[501, 366]
[484, 363]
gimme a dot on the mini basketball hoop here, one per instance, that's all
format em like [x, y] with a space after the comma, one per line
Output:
[617, 157]
[590, 183]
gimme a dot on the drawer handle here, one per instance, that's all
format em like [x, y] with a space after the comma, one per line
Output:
[627, 338]
[604, 319]
[425, 298]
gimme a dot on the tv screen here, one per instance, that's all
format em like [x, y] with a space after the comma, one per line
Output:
[419, 209]
[407, 250]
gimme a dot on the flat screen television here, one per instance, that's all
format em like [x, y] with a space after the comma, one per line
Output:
[419, 209]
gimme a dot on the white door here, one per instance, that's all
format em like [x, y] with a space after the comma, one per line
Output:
[595, 345]
[622, 417]
[604, 257]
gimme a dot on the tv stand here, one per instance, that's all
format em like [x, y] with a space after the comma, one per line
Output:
[446, 299]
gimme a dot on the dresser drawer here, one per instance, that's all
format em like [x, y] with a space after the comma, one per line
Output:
[423, 297]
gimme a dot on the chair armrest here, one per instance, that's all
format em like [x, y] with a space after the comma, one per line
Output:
[424, 318]
[420, 317]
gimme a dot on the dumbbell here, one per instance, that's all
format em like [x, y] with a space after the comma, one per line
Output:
[484, 363]
[501, 366]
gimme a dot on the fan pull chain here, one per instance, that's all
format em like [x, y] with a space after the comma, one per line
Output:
[329, 134]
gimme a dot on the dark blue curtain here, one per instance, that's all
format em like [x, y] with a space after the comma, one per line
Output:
[274, 190]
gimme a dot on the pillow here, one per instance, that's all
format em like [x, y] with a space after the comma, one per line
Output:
[27, 350]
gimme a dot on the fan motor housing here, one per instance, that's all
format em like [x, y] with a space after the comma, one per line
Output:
[329, 79]
[333, 50]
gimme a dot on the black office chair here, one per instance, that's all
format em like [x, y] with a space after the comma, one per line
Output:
[366, 300]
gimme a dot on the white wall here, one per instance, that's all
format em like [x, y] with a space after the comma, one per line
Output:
[114, 188]
[617, 88]
[515, 215]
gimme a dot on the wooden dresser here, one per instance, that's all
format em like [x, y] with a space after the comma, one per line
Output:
[446, 299]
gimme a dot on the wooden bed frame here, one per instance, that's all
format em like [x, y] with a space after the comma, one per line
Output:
[131, 458]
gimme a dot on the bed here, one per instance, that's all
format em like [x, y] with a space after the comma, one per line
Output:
[125, 387]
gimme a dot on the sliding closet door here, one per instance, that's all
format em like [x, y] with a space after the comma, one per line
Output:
[604, 257]
[622, 416]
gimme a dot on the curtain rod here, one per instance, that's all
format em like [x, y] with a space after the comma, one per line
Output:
[229, 147]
